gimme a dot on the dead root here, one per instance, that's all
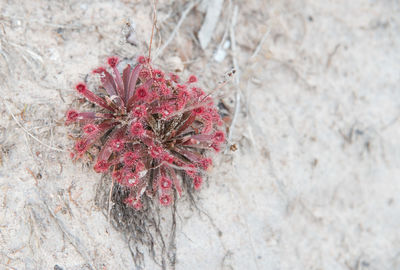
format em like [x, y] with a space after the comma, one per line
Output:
[148, 232]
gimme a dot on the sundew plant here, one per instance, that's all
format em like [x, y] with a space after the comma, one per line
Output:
[149, 130]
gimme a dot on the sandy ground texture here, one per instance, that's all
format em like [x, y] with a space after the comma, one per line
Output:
[314, 113]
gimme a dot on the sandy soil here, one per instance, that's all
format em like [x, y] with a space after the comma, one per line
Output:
[314, 183]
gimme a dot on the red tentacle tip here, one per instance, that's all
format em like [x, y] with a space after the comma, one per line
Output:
[99, 70]
[137, 129]
[144, 73]
[80, 146]
[135, 203]
[165, 183]
[165, 199]
[192, 79]
[130, 158]
[112, 61]
[81, 87]
[156, 151]
[117, 145]
[142, 93]
[101, 166]
[143, 60]
[199, 110]
[72, 115]
[174, 77]
[131, 180]
[139, 111]
[197, 181]
[219, 137]
[206, 163]
[90, 129]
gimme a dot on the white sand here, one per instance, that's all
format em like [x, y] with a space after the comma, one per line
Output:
[314, 183]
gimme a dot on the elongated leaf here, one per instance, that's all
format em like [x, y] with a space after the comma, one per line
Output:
[146, 85]
[171, 125]
[186, 124]
[126, 76]
[132, 82]
[193, 156]
[108, 83]
[120, 84]
[96, 99]
[174, 179]
[202, 137]
[106, 150]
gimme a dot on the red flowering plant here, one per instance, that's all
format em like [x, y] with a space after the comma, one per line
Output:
[151, 131]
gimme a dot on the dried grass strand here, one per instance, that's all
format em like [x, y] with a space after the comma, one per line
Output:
[30, 134]
[176, 29]
[236, 67]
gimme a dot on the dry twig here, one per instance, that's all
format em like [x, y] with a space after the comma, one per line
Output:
[30, 134]
[72, 239]
[258, 48]
[176, 29]
[214, 8]
[236, 67]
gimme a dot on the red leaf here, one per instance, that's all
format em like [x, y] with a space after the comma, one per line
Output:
[132, 82]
